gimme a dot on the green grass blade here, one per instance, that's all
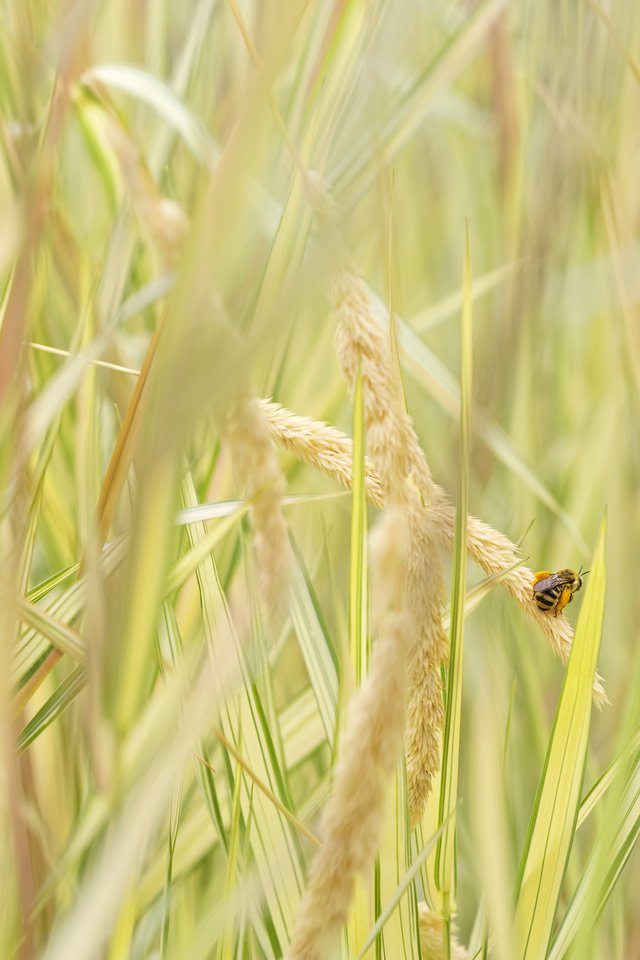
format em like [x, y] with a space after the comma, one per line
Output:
[398, 934]
[358, 570]
[399, 893]
[61, 636]
[445, 866]
[615, 844]
[600, 788]
[274, 843]
[316, 647]
[60, 699]
[50, 583]
[552, 825]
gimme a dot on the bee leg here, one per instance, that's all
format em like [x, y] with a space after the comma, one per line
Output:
[564, 598]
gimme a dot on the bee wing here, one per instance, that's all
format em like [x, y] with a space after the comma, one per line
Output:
[553, 580]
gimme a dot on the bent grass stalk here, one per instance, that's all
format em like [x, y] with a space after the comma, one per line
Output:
[330, 451]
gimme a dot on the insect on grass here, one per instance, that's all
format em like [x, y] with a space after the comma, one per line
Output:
[553, 591]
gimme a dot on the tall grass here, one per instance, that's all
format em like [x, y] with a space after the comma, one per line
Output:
[230, 562]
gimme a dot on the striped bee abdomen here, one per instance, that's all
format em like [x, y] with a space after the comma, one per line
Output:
[548, 598]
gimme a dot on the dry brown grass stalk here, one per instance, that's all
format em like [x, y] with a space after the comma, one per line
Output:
[370, 751]
[257, 468]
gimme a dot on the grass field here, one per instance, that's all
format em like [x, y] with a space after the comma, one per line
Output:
[320, 332]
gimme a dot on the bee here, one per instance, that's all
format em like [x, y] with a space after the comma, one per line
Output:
[553, 591]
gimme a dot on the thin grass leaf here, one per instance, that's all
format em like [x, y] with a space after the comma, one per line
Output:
[124, 447]
[213, 511]
[316, 647]
[47, 586]
[57, 703]
[602, 785]
[555, 812]
[400, 891]
[445, 866]
[399, 935]
[260, 785]
[301, 728]
[615, 844]
[58, 634]
[359, 640]
[275, 845]
[52, 399]
[225, 944]
[451, 306]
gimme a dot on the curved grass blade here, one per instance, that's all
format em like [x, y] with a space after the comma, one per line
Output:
[601, 786]
[316, 647]
[161, 98]
[212, 511]
[59, 635]
[545, 855]
[616, 842]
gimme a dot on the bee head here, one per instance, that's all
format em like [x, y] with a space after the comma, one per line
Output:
[578, 580]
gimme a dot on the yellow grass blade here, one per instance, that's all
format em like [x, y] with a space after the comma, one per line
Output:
[552, 825]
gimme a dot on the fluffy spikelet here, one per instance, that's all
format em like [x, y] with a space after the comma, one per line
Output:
[425, 708]
[373, 740]
[431, 932]
[391, 439]
[321, 446]
[257, 468]
[401, 464]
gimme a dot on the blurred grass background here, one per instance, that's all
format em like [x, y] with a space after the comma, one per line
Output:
[162, 168]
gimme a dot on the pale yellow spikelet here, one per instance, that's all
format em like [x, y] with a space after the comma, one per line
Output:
[257, 469]
[425, 708]
[321, 446]
[402, 466]
[373, 740]
[391, 439]
[431, 934]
